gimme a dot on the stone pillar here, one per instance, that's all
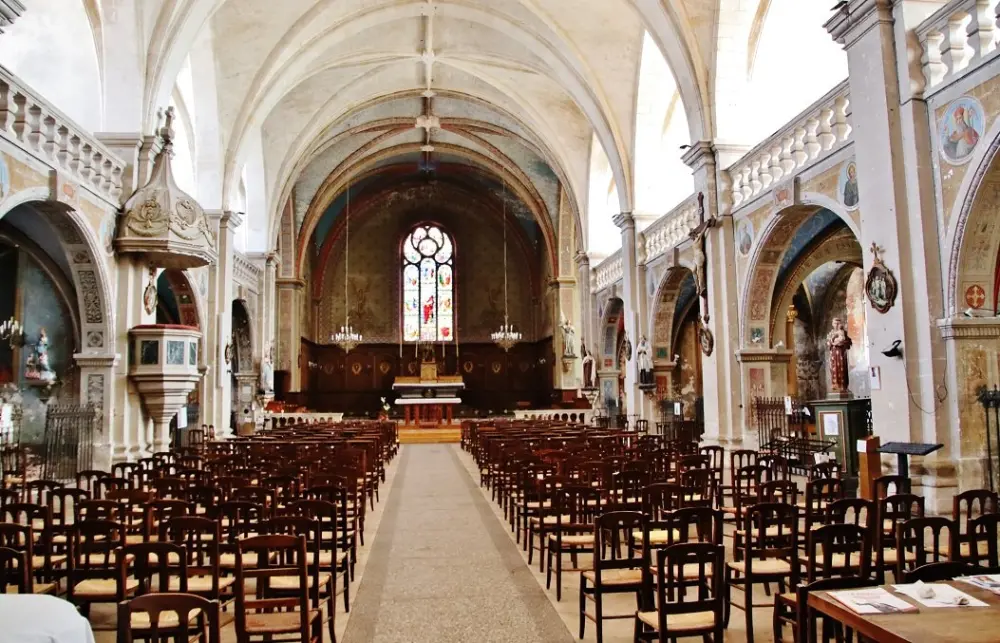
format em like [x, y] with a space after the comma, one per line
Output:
[630, 297]
[97, 376]
[892, 151]
[722, 390]
[289, 328]
[793, 361]
[131, 428]
[270, 306]
[586, 301]
[568, 371]
[218, 333]
[647, 400]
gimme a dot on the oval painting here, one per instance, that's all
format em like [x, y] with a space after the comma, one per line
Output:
[744, 237]
[847, 186]
[962, 125]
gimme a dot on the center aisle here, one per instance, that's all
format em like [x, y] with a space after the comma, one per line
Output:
[442, 567]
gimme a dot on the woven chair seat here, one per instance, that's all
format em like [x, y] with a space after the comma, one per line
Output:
[680, 622]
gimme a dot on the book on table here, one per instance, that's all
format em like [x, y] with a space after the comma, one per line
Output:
[874, 600]
[989, 582]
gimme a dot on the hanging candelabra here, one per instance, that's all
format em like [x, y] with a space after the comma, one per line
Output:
[506, 337]
[12, 332]
[347, 338]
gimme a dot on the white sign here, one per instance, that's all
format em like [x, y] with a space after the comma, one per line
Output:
[875, 377]
[677, 408]
[6, 419]
[182, 418]
[788, 405]
[862, 446]
[831, 424]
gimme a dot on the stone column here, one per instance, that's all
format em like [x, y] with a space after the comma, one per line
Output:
[630, 297]
[97, 376]
[131, 428]
[289, 328]
[647, 400]
[722, 390]
[586, 301]
[218, 334]
[892, 151]
[270, 301]
[793, 361]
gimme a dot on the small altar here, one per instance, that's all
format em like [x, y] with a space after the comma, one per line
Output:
[427, 400]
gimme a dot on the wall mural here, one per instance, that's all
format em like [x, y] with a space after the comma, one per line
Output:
[961, 128]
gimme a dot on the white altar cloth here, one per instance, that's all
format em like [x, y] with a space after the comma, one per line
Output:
[28, 618]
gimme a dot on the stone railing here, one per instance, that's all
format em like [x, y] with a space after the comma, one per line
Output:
[957, 38]
[822, 128]
[245, 272]
[609, 271]
[46, 133]
[672, 229]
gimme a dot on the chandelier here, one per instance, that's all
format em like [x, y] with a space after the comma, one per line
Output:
[12, 331]
[506, 337]
[347, 338]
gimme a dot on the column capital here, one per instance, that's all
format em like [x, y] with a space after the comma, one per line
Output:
[290, 283]
[969, 328]
[624, 220]
[582, 259]
[227, 219]
[856, 17]
[270, 259]
[699, 154]
[96, 360]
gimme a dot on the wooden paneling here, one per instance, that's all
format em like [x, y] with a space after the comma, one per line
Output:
[494, 380]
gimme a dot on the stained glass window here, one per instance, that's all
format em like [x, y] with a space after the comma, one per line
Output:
[428, 285]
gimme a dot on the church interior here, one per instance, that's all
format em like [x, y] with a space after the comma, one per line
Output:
[521, 320]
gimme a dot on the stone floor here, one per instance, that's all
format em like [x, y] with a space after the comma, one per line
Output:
[441, 566]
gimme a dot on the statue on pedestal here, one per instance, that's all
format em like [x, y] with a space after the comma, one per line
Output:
[267, 372]
[569, 338]
[644, 362]
[838, 342]
[588, 367]
[37, 366]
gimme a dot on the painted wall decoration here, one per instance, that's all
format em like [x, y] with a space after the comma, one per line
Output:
[744, 236]
[975, 296]
[4, 178]
[847, 186]
[961, 128]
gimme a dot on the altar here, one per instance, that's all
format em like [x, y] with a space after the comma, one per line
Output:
[428, 400]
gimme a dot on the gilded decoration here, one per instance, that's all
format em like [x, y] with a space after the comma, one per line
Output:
[163, 222]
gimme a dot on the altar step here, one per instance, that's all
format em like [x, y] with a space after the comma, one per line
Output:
[430, 436]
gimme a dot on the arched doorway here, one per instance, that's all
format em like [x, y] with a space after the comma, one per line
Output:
[48, 249]
[610, 368]
[806, 271]
[676, 351]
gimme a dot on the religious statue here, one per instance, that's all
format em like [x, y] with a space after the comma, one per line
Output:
[644, 361]
[588, 367]
[37, 366]
[569, 338]
[838, 343]
[267, 372]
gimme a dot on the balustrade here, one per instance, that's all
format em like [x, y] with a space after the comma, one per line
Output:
[609, 271]
[48, 134]
[671, 229]
[958, 37]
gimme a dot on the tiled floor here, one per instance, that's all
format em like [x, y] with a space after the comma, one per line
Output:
[442, 566]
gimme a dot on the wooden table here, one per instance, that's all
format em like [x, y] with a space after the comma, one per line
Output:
[931, 624]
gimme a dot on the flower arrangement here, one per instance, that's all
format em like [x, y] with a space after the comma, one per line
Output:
[384, 415]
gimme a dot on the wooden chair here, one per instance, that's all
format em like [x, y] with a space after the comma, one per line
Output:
[807, 617]
[617, 574]
[576, 507]
[19, 538]
[99, 573]
[200, 539]
[173, 616]
[979, 545]
[319, 582]
[689, 595]
[45, 562]
[885, 486]
[916, 549]
[820, 494]
[769, 554]
[260, 616]
[834, 550]
[15, 572]
[335, 544]
[157, 567]
[892, 511]
[967, 507]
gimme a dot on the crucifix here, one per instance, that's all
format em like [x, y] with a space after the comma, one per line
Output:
[697, 236]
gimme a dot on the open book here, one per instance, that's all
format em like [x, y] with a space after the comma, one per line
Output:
[989, 582]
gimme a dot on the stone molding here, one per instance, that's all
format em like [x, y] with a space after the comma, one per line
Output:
[856, 18]
[582, 259]
[96, 360]
[698, 155]
[768, 356]
[624, 220]
[290, 283]
[969, 328]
